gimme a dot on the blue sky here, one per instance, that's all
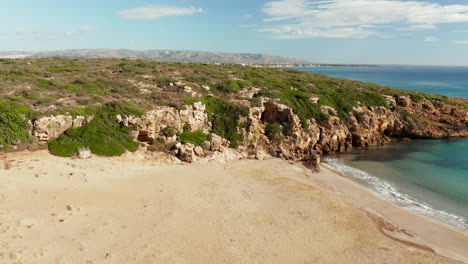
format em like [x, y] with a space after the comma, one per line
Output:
[417, 32]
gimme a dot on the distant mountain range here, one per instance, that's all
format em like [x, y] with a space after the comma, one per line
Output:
[158, 55]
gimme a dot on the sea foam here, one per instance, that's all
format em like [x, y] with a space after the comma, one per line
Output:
[391, 193]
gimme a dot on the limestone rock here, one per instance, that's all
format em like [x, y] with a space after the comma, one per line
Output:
[153, 122]
[206, 145]
[50, 127]
[199, 151]
[83, 153]
[186, 153]
[216, 143]
[403, 101]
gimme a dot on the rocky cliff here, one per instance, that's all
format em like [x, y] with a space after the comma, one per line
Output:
[366, 126]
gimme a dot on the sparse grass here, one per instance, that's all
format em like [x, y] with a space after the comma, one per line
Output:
[407, 116]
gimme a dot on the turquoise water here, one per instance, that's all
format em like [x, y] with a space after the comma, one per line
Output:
[426, 176]
[449, 81]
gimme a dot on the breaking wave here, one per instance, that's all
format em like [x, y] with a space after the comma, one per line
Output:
[390, 192]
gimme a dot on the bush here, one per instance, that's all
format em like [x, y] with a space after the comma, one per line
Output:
[12, 123]
[103, 135]
[407, 116]
[303, 107]
[190, 100]
[13, 128]
[274, 131]
[197, 137]
[169, 131]
[230, 86]
[225, 118]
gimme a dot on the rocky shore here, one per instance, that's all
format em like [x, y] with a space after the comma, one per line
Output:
[367, 126]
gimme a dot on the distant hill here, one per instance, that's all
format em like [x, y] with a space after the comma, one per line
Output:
[159, 55]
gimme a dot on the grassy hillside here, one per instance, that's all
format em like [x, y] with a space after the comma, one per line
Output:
[38, 87]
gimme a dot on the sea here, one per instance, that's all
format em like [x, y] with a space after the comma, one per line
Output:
[427, 176]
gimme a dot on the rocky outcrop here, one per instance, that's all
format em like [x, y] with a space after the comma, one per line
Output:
[50, 127]
[366, 126]
[186, 153]
[151, 125]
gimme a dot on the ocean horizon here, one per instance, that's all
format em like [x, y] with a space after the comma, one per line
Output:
[426, 176]
[443, 80]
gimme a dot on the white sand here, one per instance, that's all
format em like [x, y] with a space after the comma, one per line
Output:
[102, 210]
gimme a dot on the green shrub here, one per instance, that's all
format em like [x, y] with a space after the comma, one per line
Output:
[255, 102]
[197, 137]
[232, 86]
[103, 135]
[169, 131]
[66, 68]
[303, 107]
[359, 116]
[407, 116]
[274, 131]
[224, 117]
[190, 100]
[12, 123]
[13, 128]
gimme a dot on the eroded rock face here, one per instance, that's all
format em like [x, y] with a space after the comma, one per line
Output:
[50, 127]
[366, 126]
[403, 101]
[151, 124]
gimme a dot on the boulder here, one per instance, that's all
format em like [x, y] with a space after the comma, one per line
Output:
[186, 153]
[403, 101]
[50, 127]
[199, 151]
[216, 143]
[206, 145]
[83, 153]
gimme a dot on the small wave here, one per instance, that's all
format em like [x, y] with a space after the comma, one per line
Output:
[391, 192]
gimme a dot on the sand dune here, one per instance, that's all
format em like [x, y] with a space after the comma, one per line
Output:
[123, 210]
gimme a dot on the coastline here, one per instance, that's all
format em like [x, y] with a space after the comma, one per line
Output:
[417, 229]
[131, 209]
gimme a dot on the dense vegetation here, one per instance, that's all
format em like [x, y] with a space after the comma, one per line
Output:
[37, 87]
[224, 117]
[274, 131]
[104, 135]
[197, 137]
[12, 124]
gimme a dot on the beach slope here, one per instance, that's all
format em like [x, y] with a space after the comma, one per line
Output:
[128, 210]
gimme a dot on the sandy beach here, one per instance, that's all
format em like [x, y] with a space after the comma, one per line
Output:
[132, 210]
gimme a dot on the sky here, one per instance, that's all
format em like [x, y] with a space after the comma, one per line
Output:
[418, 32]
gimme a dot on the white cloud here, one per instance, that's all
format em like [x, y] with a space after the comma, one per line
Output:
[460, 31]
[431, 39]
[460, 41]
[355, 18]
[156, 12]
[418, 27]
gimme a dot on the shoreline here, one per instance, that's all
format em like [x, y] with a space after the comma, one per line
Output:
[420, 230]
[130, 209]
